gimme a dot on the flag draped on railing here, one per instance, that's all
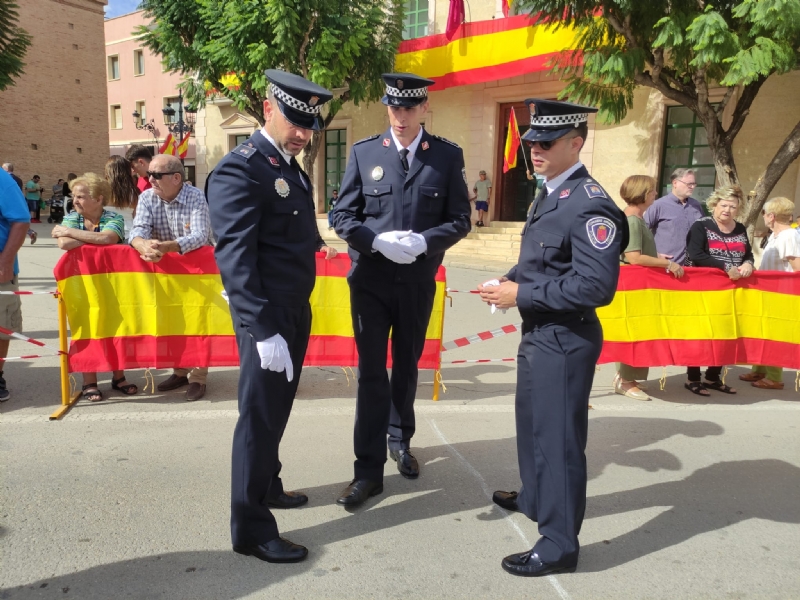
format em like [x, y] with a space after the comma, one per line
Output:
[125, 313]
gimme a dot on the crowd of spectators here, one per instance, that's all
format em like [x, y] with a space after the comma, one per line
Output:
[674, 231]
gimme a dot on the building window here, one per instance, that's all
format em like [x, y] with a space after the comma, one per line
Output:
[113, 68]
[173, 102]
[138, 62]
[116, 116]
[335, 161]
[415, 23]
[142, 110]
[237, 140]
[686, 145]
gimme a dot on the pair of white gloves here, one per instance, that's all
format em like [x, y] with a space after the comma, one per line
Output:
[401, 247]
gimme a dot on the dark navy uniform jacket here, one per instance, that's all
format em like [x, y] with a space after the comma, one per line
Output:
[377, 196]
[267, 236]
[569, 256]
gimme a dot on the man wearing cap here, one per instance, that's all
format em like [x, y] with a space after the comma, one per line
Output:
[402, 203]
[568, 266]
[262, 212]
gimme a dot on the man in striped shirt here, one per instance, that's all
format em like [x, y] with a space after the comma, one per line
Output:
[172, 217]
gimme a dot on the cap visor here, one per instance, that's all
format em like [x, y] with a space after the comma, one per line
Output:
[403, 102]
[300, 119]
[545, 135]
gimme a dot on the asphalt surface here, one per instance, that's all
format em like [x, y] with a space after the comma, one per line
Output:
[128, 498]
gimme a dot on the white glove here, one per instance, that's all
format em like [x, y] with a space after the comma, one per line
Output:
[274, 353]
[494, 283]
[389, 245]
[415, 243]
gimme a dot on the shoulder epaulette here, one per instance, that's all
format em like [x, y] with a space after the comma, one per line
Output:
[367, 139]
[445, 140]
[594, 189]
[245, 150]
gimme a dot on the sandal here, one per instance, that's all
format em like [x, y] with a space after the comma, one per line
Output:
[718, 386]
[696, 388]
[91, 392]
[129, 389]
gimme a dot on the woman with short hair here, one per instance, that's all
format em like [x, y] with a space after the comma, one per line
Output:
[782, 253]
[639, 193]
[719, 242]
[92, 224]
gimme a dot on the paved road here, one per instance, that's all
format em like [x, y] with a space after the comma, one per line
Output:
[128, 498]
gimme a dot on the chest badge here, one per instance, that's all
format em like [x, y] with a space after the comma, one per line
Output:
[377, 173]
[282, 187]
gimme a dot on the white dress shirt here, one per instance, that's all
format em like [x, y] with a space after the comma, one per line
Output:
[555, 183]
[412, 148]
[286, 157]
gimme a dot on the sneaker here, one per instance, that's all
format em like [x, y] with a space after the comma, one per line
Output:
[4, 393]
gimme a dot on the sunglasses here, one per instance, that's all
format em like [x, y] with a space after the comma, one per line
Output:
[158, 176]
[548, 144]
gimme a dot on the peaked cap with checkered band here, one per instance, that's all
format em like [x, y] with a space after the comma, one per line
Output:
[299, 100]
[551, 119]
[405, 90]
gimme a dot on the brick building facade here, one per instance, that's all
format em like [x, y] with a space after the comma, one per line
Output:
[53, 120]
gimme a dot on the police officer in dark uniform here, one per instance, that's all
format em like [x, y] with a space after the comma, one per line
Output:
[402, 203]
[262, 213]
[568, 266]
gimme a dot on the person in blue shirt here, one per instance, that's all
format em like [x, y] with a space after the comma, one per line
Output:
[14, 222]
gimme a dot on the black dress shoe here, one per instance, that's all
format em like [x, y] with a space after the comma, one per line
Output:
[507, 500]
[359, 491]
[288, 500]
[406, 463]
[172, 383]
[279, 550]
[528, 564]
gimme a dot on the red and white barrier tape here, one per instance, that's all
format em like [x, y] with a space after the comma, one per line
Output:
[452, 291]
[480, 360]
[29, 357]
[22, 293]
[481, 337]
[25, 338]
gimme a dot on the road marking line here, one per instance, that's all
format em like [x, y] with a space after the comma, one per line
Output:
[507, 518]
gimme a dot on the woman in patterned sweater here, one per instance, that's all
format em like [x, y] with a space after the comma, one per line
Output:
[719, 242]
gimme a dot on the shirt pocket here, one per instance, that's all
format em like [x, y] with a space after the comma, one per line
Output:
[432, 199]
[376, 199]
[284, 218]
[547, 250]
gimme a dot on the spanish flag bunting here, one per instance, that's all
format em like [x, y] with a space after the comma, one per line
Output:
[512, 143]
[484, 51]
[703, 318]
[125, 313]
[169, 146]
[183, 147]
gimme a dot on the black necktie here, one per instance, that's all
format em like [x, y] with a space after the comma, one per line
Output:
[296, 168]
[539, 199]
[404, 159]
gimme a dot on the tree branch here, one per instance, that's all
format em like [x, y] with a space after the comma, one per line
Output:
[302, 52]
[749, 93]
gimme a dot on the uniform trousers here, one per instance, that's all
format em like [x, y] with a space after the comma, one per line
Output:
[380, 310]
[555, 368]
[265, 401]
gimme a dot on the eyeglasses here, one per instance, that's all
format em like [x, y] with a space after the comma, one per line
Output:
[158, 176]
[549, 143]
[689, 185]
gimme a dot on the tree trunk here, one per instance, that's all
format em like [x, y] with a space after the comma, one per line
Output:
[310, 158]
[784, 157]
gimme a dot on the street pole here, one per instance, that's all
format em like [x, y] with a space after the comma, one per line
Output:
[180, 124]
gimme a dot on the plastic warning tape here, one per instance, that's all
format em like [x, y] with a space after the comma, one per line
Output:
[480, 360]
[25, 338]
[481, 337]
[29, 357]
[452, 291]
[22, 293]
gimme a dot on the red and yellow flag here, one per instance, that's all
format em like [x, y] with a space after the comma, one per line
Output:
[125, 313]
[506, 6]
[703, 318]
[183, 147]
[512, 144]
[169, 146]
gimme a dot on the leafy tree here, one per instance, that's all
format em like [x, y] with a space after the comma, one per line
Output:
[14, 44]
[342, 45]
[684, 49]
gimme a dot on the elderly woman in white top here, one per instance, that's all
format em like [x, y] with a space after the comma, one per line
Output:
[782, 253]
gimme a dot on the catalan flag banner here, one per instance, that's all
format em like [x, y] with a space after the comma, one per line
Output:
[484, 51]
[703, 318]
[125, 313]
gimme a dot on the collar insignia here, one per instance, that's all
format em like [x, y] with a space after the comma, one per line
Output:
[386, 143]
[425, 145]
[273, 160]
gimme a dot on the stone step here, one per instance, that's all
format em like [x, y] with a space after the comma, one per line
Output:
[497, 237]
[498, 230]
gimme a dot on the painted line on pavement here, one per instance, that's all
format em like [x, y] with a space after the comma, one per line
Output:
[486, 492]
